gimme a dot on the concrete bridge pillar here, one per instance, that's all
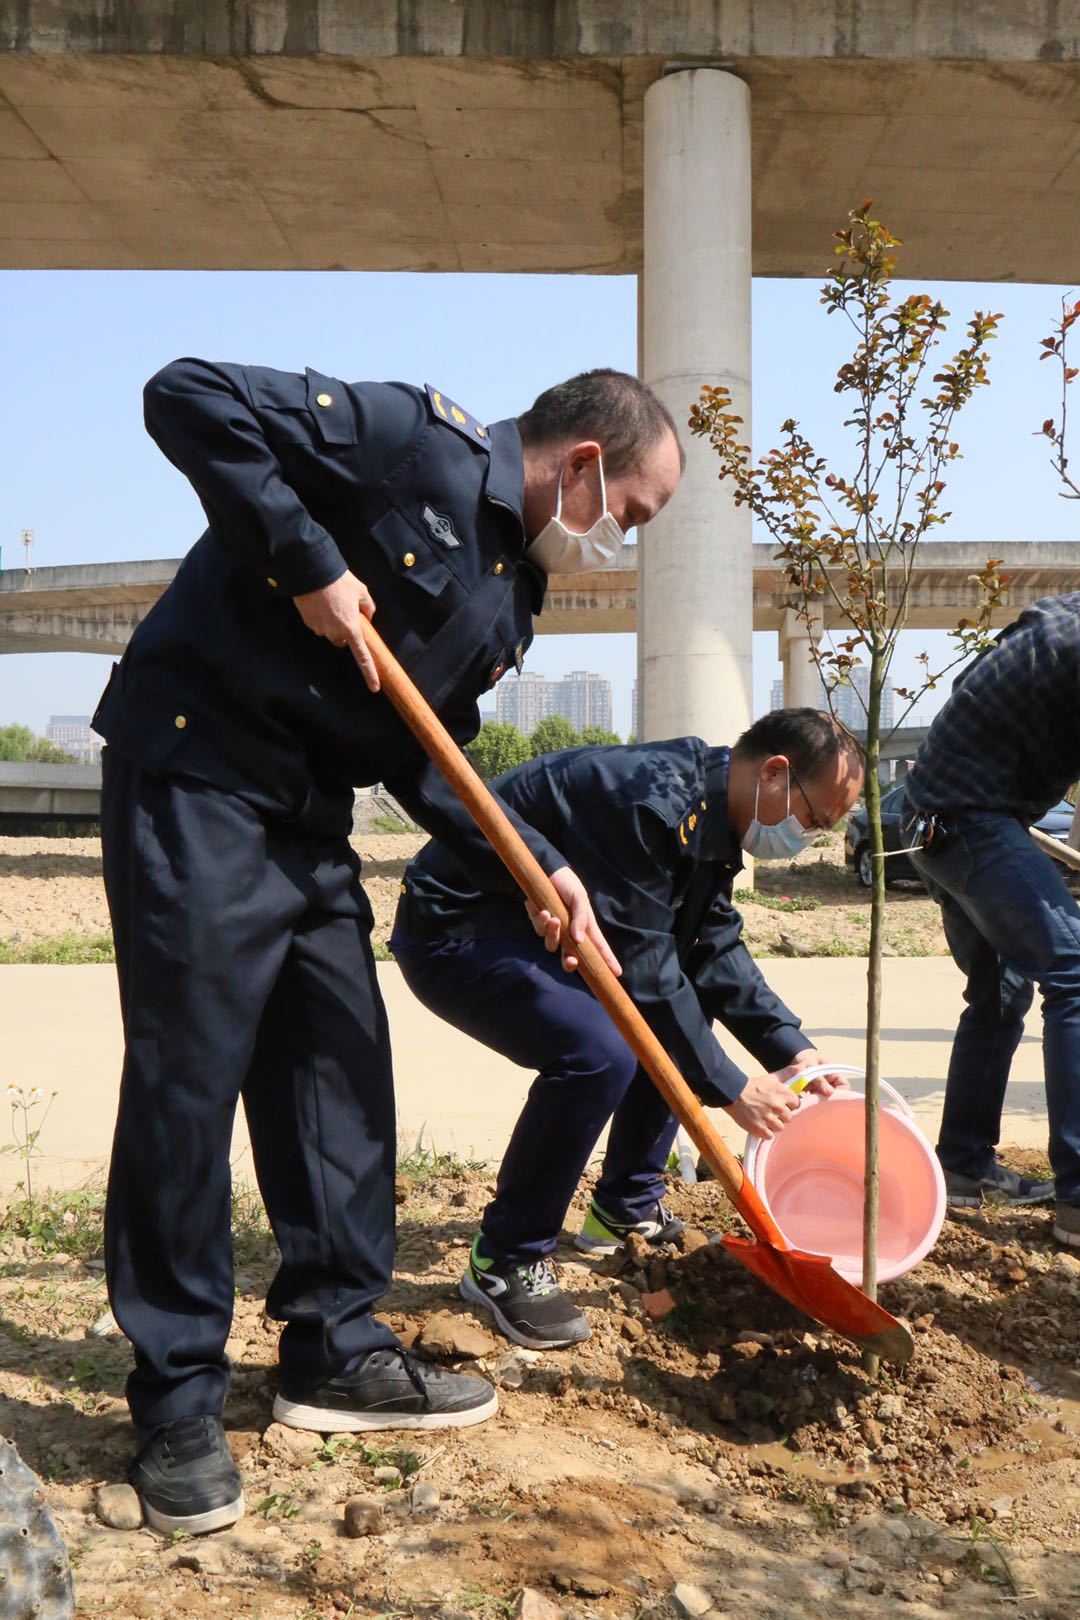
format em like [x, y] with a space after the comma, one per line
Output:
[695, 568]
[802, 681]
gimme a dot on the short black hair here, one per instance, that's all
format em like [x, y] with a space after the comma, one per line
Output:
[619, 411]
[810, 739]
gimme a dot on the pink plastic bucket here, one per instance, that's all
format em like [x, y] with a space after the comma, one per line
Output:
[811, 1178]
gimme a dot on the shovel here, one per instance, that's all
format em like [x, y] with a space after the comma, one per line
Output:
[806, 1280]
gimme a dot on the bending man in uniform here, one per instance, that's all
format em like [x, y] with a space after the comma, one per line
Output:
[656, 832]
[1003, 749]
[242, 715]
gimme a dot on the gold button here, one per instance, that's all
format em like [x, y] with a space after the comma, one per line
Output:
[324, 399]
[481, 433]
[180, 722]
[404, 888]
[408, 559]
[498, 568]
[272, 584]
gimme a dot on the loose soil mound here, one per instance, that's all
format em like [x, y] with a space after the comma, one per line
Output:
[732, 1446]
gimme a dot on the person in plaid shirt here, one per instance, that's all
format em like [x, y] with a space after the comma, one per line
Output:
[1004, 749]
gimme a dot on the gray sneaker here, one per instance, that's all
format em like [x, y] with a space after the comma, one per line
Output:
[1067, 1224]
[1000, 1186]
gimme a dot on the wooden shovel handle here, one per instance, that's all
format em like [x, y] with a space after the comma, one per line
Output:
[537, 886]
[1053, 846]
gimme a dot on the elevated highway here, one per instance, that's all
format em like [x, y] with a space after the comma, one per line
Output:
[94, 607]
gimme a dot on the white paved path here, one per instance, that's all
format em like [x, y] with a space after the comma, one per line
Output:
[60, 1029]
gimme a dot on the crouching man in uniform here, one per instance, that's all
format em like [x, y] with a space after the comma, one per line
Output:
[241, 717]
[656, 832]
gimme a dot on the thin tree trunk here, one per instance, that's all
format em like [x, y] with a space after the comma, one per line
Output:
[873, 983]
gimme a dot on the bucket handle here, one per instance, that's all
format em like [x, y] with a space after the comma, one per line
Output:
[816, 1070]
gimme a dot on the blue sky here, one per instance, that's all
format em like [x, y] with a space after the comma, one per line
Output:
[80, 471]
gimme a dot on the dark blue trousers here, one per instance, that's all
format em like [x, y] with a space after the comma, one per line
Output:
[1011, 923]
[513, 996]
[245, 966]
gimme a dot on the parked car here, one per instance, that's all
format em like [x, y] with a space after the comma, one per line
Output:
[1056, 822]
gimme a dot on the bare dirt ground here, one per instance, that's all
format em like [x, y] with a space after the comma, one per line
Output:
[731, 1447]
[813, 906]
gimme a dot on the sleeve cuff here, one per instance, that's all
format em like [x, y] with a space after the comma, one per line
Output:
[781, 1048]
[309, 567]
[723, 1088]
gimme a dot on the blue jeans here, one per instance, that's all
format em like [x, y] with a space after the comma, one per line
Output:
[513, 996]
[1011, 923]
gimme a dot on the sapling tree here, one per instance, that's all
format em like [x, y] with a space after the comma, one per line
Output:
[849, 539]
[1055, 348]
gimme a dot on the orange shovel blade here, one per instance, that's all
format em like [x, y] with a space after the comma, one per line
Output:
[809, 1282]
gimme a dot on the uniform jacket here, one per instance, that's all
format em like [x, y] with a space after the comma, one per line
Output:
[646, 829]
[302, 477]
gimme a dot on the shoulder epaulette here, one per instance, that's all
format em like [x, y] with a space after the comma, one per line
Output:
[446, 411]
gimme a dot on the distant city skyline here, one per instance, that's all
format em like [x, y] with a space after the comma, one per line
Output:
[583, 697]
[72, 733]
[848, 702]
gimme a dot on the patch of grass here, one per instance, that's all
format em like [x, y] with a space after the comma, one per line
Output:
[389, 824]
[400, 1457]
[278, 1506]
[782, 902]
[381, 951]
[252, 1238]
[423, 1162]
[687, 1321]
[58, 1222]
[61, 950]
[986, 1557]
[476, 1599]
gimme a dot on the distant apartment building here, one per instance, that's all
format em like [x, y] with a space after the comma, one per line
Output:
[584, 699]
[580, 697]
[635, 729]
[72, 733]
[849, 701]
[524, 700]
[776, 696]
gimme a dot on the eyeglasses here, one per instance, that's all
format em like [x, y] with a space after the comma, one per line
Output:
[816, 821]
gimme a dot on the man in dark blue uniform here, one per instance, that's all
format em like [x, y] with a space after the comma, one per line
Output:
[241, 717]
[656, 831]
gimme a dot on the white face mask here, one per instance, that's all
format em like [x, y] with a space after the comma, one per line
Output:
[558, 550]
[779, 840]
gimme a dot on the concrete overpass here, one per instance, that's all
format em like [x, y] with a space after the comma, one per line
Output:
[689, 143]
[47, 792]
[94, 607]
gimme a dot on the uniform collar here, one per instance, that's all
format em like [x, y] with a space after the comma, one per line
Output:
[505, 486]
[718, 843]
[505, 482]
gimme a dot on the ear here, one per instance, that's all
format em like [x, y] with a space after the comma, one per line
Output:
[582, 456]
[775, 766]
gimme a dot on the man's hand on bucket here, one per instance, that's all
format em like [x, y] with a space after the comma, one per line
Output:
[764, 1105]
[825, 1084]
[767, 1103]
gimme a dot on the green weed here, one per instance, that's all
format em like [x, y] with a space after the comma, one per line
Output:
[65, 950]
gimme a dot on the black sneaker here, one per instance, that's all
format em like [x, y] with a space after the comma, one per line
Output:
[1000, 1186]
[389, 1390]
[186, 1477]
[602, 1234]
[526, 1301]
[1067, 1224]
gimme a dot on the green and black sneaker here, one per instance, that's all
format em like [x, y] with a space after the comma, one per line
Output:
[527, 1303]
[601, 1234]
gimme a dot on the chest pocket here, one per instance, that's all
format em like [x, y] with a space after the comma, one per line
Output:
[408, 556]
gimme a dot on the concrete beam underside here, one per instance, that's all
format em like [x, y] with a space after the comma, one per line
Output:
[161, 157]
[94, 607]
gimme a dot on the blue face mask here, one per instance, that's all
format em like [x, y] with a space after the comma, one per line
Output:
[777, 841]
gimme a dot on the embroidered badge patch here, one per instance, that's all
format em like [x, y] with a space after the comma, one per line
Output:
[441, 528]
